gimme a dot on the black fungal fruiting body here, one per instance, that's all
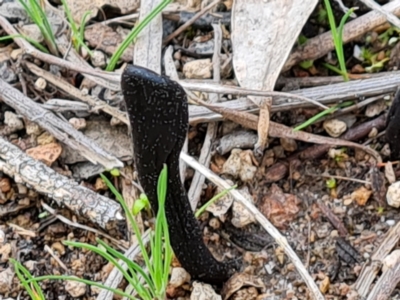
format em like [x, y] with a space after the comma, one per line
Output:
[393, 128]
[158, 113]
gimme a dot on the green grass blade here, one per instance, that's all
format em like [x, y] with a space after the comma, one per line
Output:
[131, 264]
[213, 199]
[85, 281]
[47, 31]
[334, 69]
[36, 287]
[321, 114]
[134, 33]
[133, 280]
[28, 39]
[131, 220]
[22, 279]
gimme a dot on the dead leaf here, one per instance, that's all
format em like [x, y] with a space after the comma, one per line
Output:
[240, 165]
[239, 280]
[240, 215]
[361, 195]
[280, 208]
[269, 29]
[46, 153]
[324, 285]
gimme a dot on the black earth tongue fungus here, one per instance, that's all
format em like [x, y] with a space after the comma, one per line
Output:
[158, 113]
[393, 128]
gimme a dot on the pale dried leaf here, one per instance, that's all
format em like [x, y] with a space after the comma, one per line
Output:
[263, 33]
[361, 195]
[149, 42]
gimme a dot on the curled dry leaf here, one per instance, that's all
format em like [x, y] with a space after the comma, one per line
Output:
[239, 280]
[361, 195]
[202, 291]
[240, 165]
[46, 153]
[75, 289]
[240, 215]
[324, 285]
[280, 208]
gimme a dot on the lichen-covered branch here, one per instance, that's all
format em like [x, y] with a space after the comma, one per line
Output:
[66, 192]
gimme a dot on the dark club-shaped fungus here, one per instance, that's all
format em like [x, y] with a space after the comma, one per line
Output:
[393, 127]
[158, 113]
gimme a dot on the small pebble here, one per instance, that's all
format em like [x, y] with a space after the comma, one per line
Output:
[391, 222]
[335, 127]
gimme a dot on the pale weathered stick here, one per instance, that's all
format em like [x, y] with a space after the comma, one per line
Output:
[320, 45]
[264, 222]
[325, 94]
[66, 192]
[60, 129]
[389, 16]
[95, 103]
[371, 270]
[198, 180]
